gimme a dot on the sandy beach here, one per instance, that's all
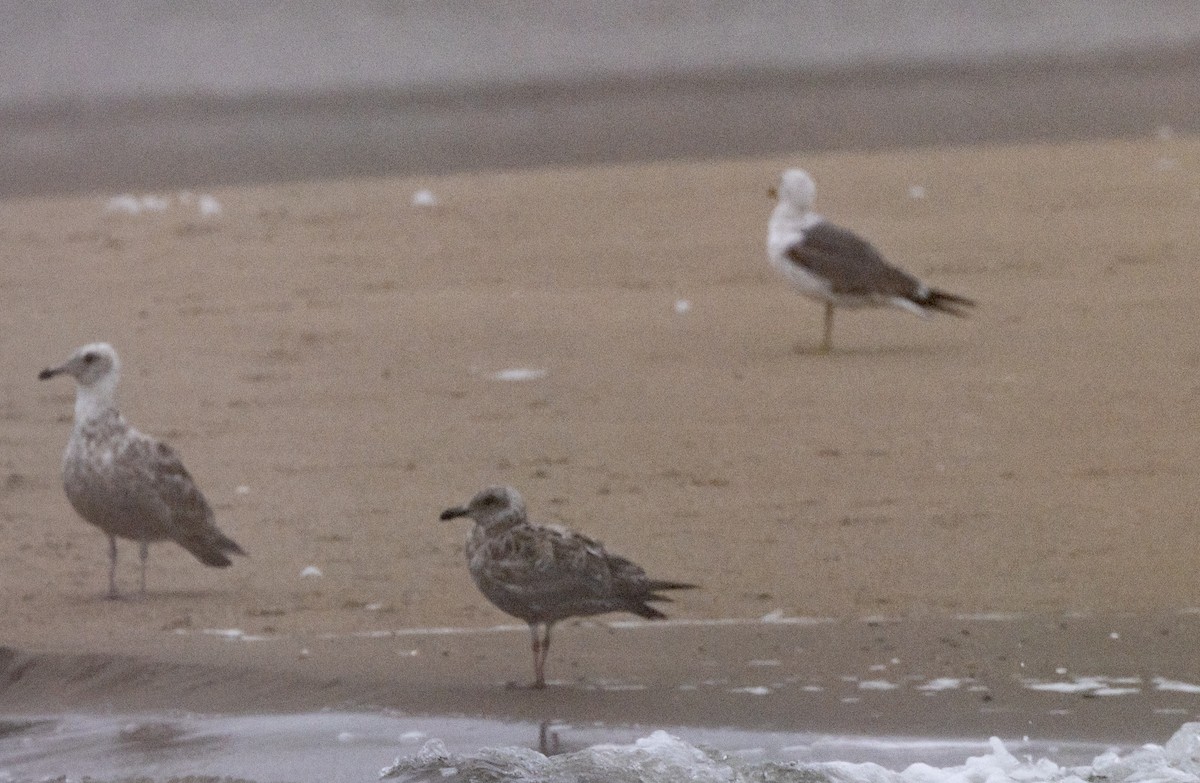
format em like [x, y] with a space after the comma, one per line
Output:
[325, 357]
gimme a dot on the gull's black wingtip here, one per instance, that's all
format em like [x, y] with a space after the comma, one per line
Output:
[945, 302]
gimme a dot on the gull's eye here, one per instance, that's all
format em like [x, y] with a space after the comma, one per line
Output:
[89, 357]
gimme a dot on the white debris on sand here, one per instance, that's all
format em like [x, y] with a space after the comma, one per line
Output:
[424, 198]
[204, 204]
[518, 374]
[208, 206]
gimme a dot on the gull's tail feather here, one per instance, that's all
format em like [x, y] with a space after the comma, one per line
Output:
[213, 549]
[647, 611]
[945, 302]
[641, 607]
[658, 584]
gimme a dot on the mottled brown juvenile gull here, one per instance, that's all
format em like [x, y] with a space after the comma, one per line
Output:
[836, 266]
[128, 484]
[546, 573]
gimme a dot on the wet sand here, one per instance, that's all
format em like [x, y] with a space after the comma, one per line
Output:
[1100, 679]
[323, 356]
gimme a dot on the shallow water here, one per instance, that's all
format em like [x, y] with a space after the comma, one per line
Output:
[343, 746]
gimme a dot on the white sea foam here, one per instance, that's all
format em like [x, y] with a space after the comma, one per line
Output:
[1163, 684]
[941, 684]
[233, 634]
[345, 746]
[1092, 686]
[877, 685]
[989, 617]
[666, 758]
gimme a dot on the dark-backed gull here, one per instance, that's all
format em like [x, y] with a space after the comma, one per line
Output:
[544, 573]
[838, 267]
[125, 483]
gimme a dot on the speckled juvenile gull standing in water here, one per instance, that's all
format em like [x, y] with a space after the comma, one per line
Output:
[838, 267]
[128, 484]
[546, 573]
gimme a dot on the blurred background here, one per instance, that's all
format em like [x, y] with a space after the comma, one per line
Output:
[136, 94]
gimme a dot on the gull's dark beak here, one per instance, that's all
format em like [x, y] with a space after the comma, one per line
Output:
[50, 372]
[773, 193]
[451, 513]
